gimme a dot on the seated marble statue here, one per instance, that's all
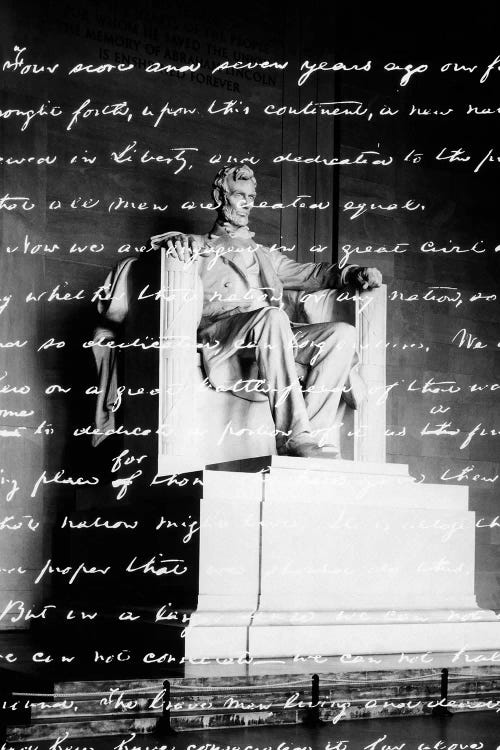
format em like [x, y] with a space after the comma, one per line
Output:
[243, 316]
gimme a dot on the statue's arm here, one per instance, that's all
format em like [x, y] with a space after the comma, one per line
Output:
[314, 276]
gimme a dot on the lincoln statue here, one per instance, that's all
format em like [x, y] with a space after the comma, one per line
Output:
[243, 319]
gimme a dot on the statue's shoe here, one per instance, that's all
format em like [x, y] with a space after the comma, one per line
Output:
[304, 448]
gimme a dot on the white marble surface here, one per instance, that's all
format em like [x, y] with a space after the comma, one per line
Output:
[331, 557]
[198, 425]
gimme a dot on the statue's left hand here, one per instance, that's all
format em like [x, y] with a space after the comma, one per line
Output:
[368, 278]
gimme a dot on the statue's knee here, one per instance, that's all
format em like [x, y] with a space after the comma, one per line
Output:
[274, 317]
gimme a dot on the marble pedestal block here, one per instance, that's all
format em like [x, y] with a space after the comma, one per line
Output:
[335, 557]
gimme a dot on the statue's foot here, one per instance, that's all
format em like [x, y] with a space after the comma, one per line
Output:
[307, 448]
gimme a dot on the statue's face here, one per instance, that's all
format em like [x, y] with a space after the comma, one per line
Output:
[238, 202]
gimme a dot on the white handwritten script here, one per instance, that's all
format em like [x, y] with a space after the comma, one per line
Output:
[130, 555]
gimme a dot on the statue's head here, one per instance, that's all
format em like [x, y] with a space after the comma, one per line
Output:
[233, 191]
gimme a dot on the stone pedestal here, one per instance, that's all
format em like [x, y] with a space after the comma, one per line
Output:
[333, 557]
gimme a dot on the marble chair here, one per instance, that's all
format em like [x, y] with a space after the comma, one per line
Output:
[195, 424]
[201, 426]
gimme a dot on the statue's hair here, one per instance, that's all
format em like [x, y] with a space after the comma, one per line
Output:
[237, 172]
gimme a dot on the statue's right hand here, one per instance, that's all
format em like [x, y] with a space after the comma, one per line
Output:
[181, 246]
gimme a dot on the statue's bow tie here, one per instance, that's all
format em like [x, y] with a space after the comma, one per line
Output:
[241, 233]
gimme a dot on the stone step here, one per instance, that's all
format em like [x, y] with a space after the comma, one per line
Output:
[140, 724]
[200, 703]
[290, 463]
[195, 705]
[81, 688]
[379, 485]
[133, 697]
[87, 728]
[376, 490]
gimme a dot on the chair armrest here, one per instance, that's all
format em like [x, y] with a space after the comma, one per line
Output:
[323, 306]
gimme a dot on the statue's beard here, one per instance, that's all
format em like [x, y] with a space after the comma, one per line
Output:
[233, 217]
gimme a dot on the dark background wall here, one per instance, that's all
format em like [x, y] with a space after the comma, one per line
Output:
[460, 211]
[73, 234]
[459, 207]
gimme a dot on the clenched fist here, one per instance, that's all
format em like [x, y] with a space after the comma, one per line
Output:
[367, 278]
